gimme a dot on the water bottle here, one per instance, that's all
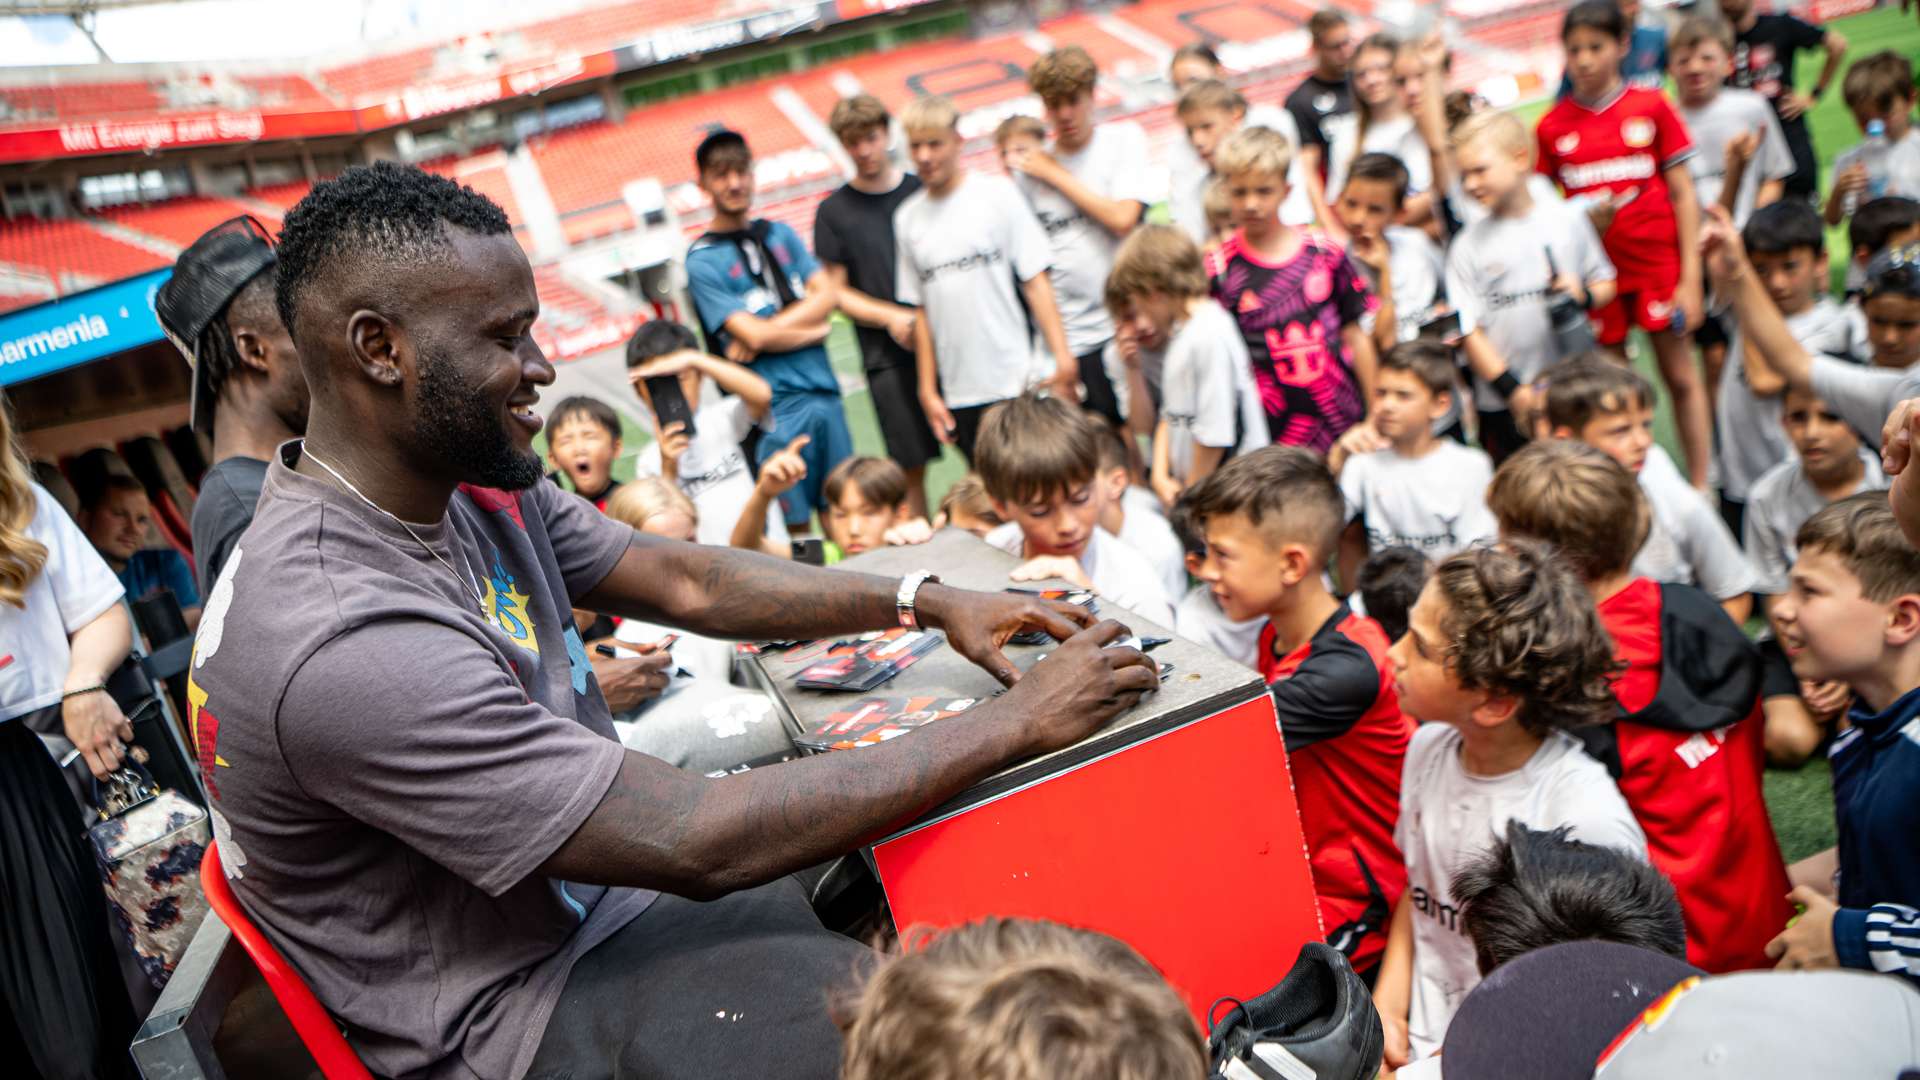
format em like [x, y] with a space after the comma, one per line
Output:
[1573, 332]
[1874, 152]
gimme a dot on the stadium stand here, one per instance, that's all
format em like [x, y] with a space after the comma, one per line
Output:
[181, 221]
[73, 254]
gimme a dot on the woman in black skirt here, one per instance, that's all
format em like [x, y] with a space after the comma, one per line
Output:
[63, 630]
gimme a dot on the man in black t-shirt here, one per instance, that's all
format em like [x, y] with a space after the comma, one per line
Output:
[853, 238]
[1764, 50]
[218, 310]
[1322, 95]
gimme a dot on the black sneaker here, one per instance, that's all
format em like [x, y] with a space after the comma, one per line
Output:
[1319, 1023]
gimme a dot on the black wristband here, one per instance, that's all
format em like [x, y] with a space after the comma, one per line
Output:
[1505, 384]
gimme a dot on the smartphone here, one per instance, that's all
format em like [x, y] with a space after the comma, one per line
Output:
[1445, 328]
[812, 551]
[669, 403]
[666, 643]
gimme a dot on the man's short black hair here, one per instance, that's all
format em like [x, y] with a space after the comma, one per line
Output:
[1876, 221]
[1539, 888]
[374, 214]
[580, 407]
[1390, 582]
[1602, 15]
[1784, 226]
[724, 142]
[1384, 168]
[658, 337]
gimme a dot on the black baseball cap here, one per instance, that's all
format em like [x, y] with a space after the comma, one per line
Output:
[1550, 1014]
[206, 278]
[717, 139]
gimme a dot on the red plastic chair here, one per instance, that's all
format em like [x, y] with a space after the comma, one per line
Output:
[310, 1021]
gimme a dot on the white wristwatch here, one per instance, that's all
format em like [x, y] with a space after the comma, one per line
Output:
[903, 600]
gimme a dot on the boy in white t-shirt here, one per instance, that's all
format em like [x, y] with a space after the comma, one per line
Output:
[1402, 264]
[1609, 406]
[1405, 486]
[707, 464]
[1089, 189]
[1503, 270]
[1877, 88]
[969, 250]
[1040, 459]
[1209, 110]
[1206, 409]
[1504, 653]
[1197, 616]
[1740, 160]
[1134, 514]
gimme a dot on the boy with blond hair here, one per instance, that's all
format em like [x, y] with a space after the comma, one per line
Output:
[1020, 999]
[1211, 112]
[1503, 656]
[1298, 300]
[957, 238]
[1502, 269]
[1687, 745]
[1089, 189]
[1040, 459]
[1406, 486]
[1194, 369]
[1852, 614]
[1271, 520]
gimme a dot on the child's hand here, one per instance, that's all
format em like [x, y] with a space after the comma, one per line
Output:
[1794, 104]
[673, 444]
[916, 531]
[1166, 489]
[1052, 566]
[1600, 212]
[779, 473]
[939, 418]
[1432, 51]
[1721, 249]
[1399, 1048]
[1807, 942]
[672, 363]
[1825, 700]
[1126, 345]
[1370, 250]
[738, 352]
[1742, 147]
[1689, 306]
[1570, 284]
[1850, 181]
[1902, 430]
[1363, 438]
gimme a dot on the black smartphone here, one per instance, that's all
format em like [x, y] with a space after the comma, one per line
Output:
[669, 403]
[1445, 328]
[811, 551]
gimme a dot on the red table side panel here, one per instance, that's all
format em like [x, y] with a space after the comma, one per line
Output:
[1186, 846]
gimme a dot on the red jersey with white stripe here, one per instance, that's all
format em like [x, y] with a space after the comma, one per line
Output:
[1696, 793]
[1346, 741]
[1622, 148]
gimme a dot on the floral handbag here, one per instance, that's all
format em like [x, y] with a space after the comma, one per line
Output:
[149, 841]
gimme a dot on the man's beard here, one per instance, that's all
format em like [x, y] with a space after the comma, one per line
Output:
[464, 430]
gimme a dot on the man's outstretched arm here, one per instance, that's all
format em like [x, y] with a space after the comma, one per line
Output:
[663, 828]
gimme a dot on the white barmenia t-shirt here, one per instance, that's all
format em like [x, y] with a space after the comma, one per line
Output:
[1146, 530]
[1735, 112]
[1186, 202]
[1400, 137]
[72, 589]
[1747, 426]
[1113, 164]
[1497, 278]
[961, 259]
[1198, 618]
[1449, 816]
[713, 471]
[1207, 397]
[1121, 575]
[1436, 504]
[1781, 501]
[1688, 543]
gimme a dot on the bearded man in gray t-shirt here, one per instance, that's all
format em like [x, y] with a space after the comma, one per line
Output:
[417, 790]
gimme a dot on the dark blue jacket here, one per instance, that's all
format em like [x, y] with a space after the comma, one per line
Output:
[1876, 801]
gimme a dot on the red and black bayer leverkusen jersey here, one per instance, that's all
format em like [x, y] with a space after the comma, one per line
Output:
[1346, 739]
[1622, 148]
[1688, 751]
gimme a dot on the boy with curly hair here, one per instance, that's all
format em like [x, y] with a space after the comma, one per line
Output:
[1504, 653]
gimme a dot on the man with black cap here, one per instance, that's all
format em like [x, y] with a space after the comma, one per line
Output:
[217, 308]
[763, 299]
[416, 788]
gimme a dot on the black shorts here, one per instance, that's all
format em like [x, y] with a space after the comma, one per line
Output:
[903, 422]
[966, 427]
[1500, 436]
[1734, 512]
[1713, 330]
[1100, 396]
[738, 986]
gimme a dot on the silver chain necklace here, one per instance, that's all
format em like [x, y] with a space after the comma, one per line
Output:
[466, 579]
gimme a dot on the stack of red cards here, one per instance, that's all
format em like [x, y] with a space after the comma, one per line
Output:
[866, 662]
[870, 721]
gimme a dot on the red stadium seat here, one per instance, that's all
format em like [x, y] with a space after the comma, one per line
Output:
[181, 221]
[316, 1029]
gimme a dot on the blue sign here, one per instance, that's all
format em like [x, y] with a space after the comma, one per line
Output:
[74, 329]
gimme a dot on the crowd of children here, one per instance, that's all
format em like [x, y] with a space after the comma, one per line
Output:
[1363, 417]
